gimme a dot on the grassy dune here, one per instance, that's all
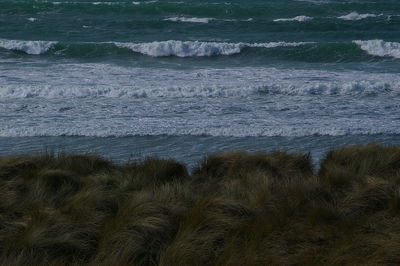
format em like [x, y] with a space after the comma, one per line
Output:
[235, 208]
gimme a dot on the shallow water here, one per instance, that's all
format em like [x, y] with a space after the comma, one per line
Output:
[190, 150]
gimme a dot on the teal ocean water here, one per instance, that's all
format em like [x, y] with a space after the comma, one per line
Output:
[182, 79]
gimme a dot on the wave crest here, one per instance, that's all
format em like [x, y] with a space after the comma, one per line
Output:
[356, 16]
[197, 48]
[29, 47]
[380, 48]
[192, 20]
[298, 18]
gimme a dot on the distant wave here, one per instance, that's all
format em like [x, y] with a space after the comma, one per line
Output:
[380, 48]
[101, 3]
[196, 48]
[317, 2]
[203, 20]
[192, 20]
[298, 18]
[29, 47]
[356, 16]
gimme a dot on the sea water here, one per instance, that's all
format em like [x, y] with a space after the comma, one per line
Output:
[183, 79]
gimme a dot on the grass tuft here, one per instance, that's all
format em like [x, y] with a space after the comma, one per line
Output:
[236, 208]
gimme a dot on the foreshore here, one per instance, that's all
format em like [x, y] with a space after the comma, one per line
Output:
[234, 208]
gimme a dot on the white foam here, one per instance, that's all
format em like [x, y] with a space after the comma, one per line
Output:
[197, 48]
[191, 20]
[94, 99]
[32, 19]
[316, 2]
[29, 47]
[106, 3]
[276, 44]
[242, 20]
[356, 16]
[380, 48]
[107, 81]
[203, 20]
[193, 91]
[298, 18]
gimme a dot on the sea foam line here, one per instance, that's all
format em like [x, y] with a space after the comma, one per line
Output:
[203, 20]
[191, 20]
[199, 90]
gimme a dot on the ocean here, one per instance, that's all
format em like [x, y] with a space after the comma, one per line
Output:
[183, 79]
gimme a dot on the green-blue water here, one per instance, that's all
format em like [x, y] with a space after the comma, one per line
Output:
[226, 74]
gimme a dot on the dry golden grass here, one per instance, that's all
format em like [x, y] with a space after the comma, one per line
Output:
[235, 208]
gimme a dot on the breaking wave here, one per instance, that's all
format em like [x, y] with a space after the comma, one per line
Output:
[196, 48]
[380, 48]
[29, 47]
[155, 49]
[176, 48]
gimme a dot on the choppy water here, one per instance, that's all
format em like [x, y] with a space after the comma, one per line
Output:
[183, 79]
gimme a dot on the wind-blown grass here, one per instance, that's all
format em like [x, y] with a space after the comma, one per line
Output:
[236, 208]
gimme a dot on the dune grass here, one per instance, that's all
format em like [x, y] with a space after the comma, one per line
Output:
[236, 208]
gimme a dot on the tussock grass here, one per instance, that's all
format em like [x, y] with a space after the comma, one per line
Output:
[236, 208]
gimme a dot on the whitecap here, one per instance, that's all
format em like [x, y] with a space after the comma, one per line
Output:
[197, 48]
[298, 18]
[192, 20]
[356, 16]
[29, 47]
[380, 48]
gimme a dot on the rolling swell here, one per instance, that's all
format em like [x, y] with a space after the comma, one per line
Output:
[304, 51]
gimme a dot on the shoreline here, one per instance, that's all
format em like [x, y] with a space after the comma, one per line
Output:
[186, 149]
